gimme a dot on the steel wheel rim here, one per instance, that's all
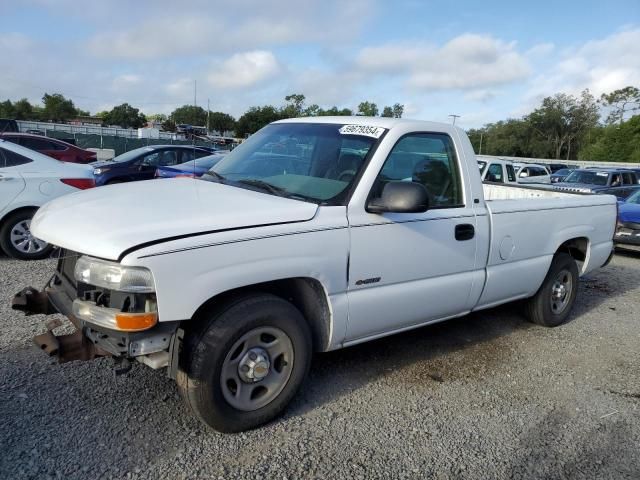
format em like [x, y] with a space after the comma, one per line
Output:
[257, 368]
[23, 241]
[561, 291]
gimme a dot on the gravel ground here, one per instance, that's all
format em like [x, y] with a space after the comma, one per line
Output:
[486, 396]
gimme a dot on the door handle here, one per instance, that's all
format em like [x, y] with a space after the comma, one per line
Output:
[465, 231]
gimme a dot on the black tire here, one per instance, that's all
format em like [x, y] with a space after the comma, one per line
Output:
[208, 348]
[548, 307]
[114, 182]
[9, 225]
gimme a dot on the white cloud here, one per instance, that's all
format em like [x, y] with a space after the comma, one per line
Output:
[465, 62]
[244, 70]
[601, 65]
[541, 49]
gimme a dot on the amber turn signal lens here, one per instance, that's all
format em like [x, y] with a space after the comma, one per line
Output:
[134, 322]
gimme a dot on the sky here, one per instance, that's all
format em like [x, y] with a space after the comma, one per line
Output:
[485, 61]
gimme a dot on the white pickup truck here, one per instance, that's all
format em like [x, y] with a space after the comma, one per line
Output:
[313, 235]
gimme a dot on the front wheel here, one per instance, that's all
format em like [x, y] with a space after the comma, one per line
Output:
[17, 241]
[245, 363]
[551, 305]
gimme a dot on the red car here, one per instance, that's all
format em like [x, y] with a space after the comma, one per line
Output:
[51, 147]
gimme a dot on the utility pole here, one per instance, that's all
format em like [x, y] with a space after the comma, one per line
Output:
[480, 149]
[454, 118]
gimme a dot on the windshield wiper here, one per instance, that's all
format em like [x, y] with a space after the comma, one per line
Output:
[215, 175]
[254, 182]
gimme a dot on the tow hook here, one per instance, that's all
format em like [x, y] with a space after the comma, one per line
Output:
[122, 365]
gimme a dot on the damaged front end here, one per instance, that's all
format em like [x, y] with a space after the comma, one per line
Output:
[109, 322]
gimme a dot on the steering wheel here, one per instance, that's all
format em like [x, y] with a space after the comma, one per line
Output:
[349, 174]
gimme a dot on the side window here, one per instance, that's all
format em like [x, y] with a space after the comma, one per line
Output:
[524, 172]
[616, 180]
[429, 159]
[12, 159]
[494, 174]
[186, 156]
[511, 174]
[168, 158]
[55, 146]
[150, 159]
[35, 143]
[200, 154]
[627, 178]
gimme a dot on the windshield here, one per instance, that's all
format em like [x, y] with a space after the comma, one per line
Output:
[562, 171]
[315, 162]
[585, 176]
[203, 162]
[634, 198]
[132, 154]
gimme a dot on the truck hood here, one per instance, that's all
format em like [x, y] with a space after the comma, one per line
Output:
[106, 221]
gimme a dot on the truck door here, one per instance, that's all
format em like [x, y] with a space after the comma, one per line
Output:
[406, 269]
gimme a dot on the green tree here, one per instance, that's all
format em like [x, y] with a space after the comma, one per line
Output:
[256, 118]
[190, 115]
[368, 109]
[562, 120]
[23, 110]
[169, 125]
[620, 102]
[57, 108]
[221, 122]
[7, 110]
[157, 117]
[398, 110]
[387, 112]
[615, 143]
[125, 116]
[294, 107]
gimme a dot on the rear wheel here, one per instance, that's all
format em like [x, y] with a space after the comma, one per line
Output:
[245, 363]
[17, 241]
[551, 305]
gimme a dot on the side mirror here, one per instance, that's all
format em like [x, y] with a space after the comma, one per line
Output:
[523, 175]
[401, 197]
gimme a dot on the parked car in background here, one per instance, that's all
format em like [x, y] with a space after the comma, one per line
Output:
[628, 227]
[590, 180]
[141, 163]
[35, 132]
[8, 125]
[532, 173]
[497, 171]
[194, 168]
[52, 147]
[621, 193]
[560, 175]
[554, 167]
[28, 180]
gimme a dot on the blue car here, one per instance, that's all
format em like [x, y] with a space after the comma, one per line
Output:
[628, 228]
[141, 163]
[194, 169]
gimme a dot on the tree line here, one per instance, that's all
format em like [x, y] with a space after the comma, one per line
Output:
[569, 127]
[57, 108]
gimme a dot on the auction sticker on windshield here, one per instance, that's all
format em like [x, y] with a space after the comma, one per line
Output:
[365, 130]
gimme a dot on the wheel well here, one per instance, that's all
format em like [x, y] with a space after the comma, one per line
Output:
[307, 294]
[13, 212]
[576, 247]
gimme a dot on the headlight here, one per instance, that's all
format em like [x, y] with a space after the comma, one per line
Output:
[98, 171]
[113, 276]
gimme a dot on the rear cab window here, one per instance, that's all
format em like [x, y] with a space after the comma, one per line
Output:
[511, 173]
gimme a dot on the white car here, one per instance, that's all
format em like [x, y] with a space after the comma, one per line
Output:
[496, 170]
[532, 173]
[230, 283]
[28, 180]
